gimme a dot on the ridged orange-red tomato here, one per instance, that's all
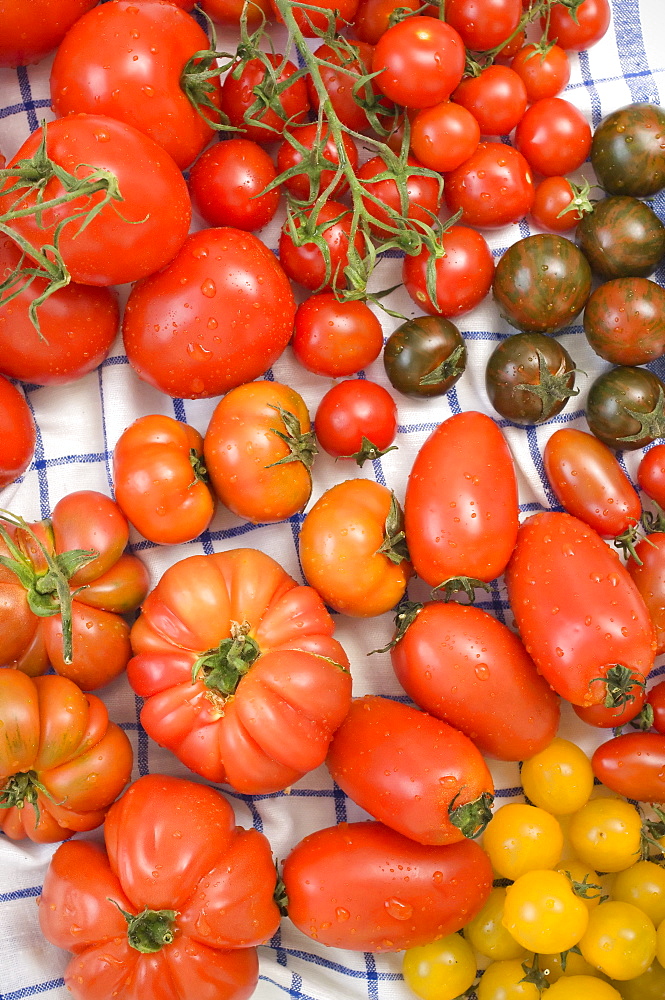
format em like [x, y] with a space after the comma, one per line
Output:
[242, 677]
[174, 907]
[62, 761]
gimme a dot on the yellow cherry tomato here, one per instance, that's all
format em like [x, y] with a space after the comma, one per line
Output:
[643, 885]
[606, 833]
[620, 940]
[586, 881]
[441, 970]
[520, 838]
[503, 981]
[543, 913]
[488, 935]
[582, 988]
[660, 943]
[559, 778]
[576, 965]
[649, 986]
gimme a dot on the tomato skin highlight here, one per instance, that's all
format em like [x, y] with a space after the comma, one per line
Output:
[19, 433]
[365, 887]
[497, 698]
[589, 482]
[407, 769]
[419, 61]
[576, 607]
[461, 508]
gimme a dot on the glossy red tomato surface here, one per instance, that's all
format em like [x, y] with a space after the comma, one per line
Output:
[17, 445]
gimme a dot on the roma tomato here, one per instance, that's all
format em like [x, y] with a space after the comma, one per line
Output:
[259, 448]
[300, 250]
[553, 136]
[624, 321]
[627, 152]
[352, 548]
[633, 765]
[241, 675]
[544, 71]
[493, 188]
[227, 182]
[647, 569]
[612, 717]
[170, 99]
[78, 325]
[202, 325]
[62, 761]
[425, 356]
[589, 483]
[159, 480]
[467, 668]
[496, 99]
[580, 615]
[461, 510]
[651, 474]
[253, 117]
[621, 238]
[365, 887]
[411, 771]
[541, 283]
[180, 896]
[142, 205]
[578, 30]
[65, 582]
[19, 433]
[26, 39]
[349, 413]
[335, 338]
[484, 24]
[463, 273]
[419, 61]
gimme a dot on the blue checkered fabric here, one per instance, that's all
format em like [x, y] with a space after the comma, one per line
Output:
[79, 424]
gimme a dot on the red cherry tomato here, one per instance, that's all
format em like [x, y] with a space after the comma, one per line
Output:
[229, 11]
[19, 434]
[353, 62]
[318, 16]
[544, 73]
[484, 24]
[420, 61]
[493, 188]
[554, 205]
[226, 184]
[356, 419]
[373, 16]
[335, 338]
[463, 273]
[444, 136]
[383, 198]
[588, 481]
[553, 136]
[26, 38]
[609, 717]
[249, 115]
[651, 474]
[305, 262]
[301, 146]
[581, 30]
[496, 98]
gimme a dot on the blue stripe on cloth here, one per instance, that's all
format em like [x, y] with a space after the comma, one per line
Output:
[29, 893]
[31, 991]
[632, 53]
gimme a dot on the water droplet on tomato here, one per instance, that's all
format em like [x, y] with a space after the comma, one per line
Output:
[398, 909]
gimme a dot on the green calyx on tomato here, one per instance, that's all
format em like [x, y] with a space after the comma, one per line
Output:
[46, 593]
[149, 930]
[471, 818]
[407, 613]
[652, 423]
[195, 79]
[302, 446]
[585, 889]
[533, 974]
[451, 368]
[198, 466]
[23, 789]
[627, 541]
[451, 586]
[369, 451]
[619, 682]
[394, 545]
[223, 668]
[551, 388]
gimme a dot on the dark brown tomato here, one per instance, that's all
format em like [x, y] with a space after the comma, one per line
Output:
[649, 577]
[529, 378]
[621, 238]
[624, 321]
[425, 356]
[541, 283]
[628, 151]
[625, 407]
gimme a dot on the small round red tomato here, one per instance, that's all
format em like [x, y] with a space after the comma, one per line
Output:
[356, 419]
[544, 71]
[169, 99]
[419, 62]
[372, 18]
[313, 146]
[553, 136]
[418, 775]
[203, 325]
[656, 699]
[226, 184]
[230, 11]
[19, 434]
[159, 480]
[578, 30]
[365, 887]
[300, 253]
[496, 98]
[354, 60]
[651, 474]
[612, 717]
[484, 24]
[319, 14]
[335, 338]
[493, 188]
[559, 205]
[25, 38]
[461, 510]
[382, 200]
[589, 482]
[647, 569]
[352, 549]
[444, 136]
[463, 273]
[464, 666]
[259, 449]
[251, 116]
[633, 765]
